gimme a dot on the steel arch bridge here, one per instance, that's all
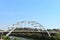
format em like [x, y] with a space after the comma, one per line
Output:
[31, 24]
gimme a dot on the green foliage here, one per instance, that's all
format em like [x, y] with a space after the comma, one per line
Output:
[6, 38]
[57, 36]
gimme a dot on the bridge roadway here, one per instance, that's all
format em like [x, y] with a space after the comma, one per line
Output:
[23, 31]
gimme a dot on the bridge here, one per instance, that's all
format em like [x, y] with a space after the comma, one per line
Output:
[28, 24]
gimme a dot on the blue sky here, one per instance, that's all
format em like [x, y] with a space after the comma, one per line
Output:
[46, 12]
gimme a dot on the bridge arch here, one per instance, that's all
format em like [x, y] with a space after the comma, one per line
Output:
[32, 24]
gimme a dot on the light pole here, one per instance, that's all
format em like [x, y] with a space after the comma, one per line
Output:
[1, 34]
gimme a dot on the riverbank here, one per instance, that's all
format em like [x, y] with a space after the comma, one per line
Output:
[22, 38]
[40, 38]
[32, 37]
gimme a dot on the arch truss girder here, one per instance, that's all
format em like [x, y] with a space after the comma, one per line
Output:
[31, 24]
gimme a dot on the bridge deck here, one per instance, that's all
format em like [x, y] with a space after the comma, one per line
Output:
[29, 32]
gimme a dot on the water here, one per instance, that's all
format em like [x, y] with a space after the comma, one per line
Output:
[20, 38]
